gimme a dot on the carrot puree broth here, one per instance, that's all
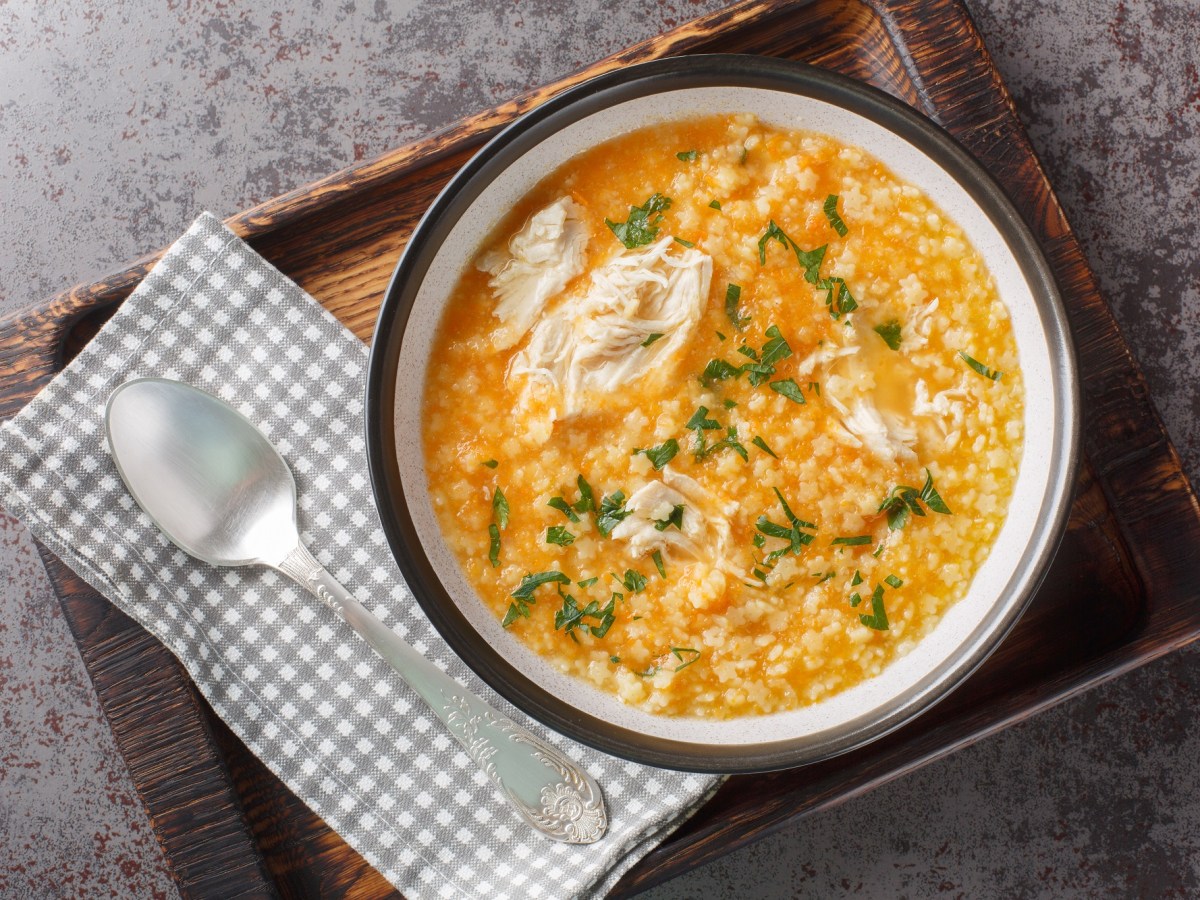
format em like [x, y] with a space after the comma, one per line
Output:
[830, 444]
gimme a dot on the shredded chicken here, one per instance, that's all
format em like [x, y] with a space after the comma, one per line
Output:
[947, 408]
[598, 344]
[542, 257]
[916, 334]
[704, 534]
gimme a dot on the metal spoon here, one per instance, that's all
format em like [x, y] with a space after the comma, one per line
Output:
[218, 489]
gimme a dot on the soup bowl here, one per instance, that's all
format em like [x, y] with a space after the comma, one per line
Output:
[787, 95]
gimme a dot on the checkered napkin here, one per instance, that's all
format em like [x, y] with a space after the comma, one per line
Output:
[329, 717]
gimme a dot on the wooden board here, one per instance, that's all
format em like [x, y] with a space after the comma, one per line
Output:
[1119, 593]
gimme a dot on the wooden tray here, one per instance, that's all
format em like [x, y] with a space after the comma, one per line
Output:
[1119, 594]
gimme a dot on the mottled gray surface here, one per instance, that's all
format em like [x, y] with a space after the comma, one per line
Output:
[118, 125]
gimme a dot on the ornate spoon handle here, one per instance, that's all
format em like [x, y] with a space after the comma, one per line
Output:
[547, 790]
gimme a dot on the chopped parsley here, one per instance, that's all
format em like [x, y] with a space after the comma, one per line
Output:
[612, 512]
[814, 387]
[797, 538]
[490, 463]
[728, 403]
[993, 374]
[563, 507]
[500, 508]
[558, 534]
[904, 501]
[651, 338]
[494, 545]
[837, 295]
[587, 497]
[640, 229]
[729, 442]
[857, 540]
[857, 580]
[878, 618]
[587, 582]
[714, 204]
[810, 260]
[831, 214]
[890, 332]
[789, 389]
[733, 294]
[570, 617]
[893, 581]
[523, 596]
[688, 244]
[762, 445]
[686, 156]
[658, 563]
[678, 652]
[700, 421]
[662, 454]
[822, 578]
[675, 518]
[634, 581]
[719, 370]
[614, 659]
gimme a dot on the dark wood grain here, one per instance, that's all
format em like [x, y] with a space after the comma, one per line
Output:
[1133, 537]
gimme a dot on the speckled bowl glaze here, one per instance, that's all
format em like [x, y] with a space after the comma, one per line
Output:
[784, 94]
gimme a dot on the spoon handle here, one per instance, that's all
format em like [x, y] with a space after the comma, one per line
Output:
[546, 788]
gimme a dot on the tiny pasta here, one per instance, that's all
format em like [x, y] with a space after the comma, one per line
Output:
[717, 371]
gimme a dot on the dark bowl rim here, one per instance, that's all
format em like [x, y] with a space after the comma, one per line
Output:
[676, 73]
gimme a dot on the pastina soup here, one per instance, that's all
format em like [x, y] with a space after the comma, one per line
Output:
[723, 418]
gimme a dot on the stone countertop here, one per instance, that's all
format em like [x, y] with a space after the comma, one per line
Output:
[118, 125]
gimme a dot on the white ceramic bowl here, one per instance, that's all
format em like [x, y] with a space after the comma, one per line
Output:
[791, 96]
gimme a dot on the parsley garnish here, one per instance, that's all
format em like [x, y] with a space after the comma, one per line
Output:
[688, 244]
[662, 454]
[810, 260]
[831, 214]
[762, 445]
[903, 500]
[563, 507]
[700, 421]
[686, 156]
[612, 511]
[494, 545]
[857, 540]
[658, 563]
[719, 370]
[993, 374]
[639, 229]
[557, 534]
[893, 581]
[523, 596]
[500, 508]
[678, 652]
[490, 463]
[729, 442]
[878, 618]
[733, 294]
[837, 295]
[792, 533]
[715, 204]
[634, 581]
[728, 403]
[587, 582]
[815, 387]
[822, 578]
[614, 659]
[651, 338]
[789, 389]
[587, 498]
[675, 518]
[571, 616]
[857, 580]
[890, 332]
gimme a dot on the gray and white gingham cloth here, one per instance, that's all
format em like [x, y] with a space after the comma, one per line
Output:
[293, 682]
